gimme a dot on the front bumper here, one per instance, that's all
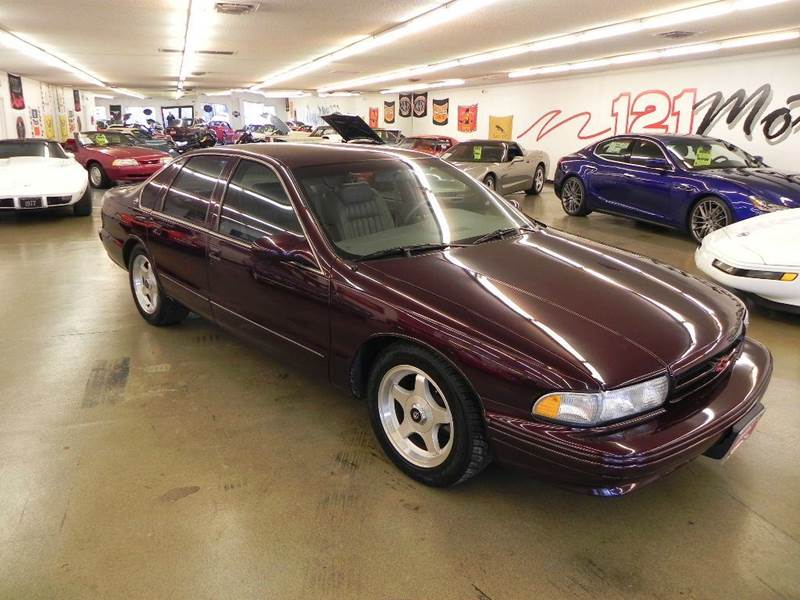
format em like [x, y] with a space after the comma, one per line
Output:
[132, 174]
[41, 201]
[617, 459]
[783, 295]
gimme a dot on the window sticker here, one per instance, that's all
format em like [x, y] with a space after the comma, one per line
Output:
[702, 157]
[617, 147]
[477, 152]
[100, 139]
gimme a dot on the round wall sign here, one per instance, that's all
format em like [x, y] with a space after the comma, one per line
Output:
[20, 128]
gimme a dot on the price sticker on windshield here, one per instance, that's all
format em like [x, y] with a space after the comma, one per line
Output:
[702, 157]
[100, 139]
[477, 152]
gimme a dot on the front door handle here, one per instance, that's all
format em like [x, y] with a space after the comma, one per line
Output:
[629, 175]
[214, 254]
[683, 187]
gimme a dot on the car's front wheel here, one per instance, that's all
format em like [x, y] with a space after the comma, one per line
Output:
[708, 215]
[154, 306]
[573, 197]
[426, 417]
[490, 182]
[83, 207]
[97, 176]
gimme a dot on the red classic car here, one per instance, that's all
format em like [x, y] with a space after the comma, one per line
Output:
[471, 331]
[110, 157]
[224, 132]
[435, 145]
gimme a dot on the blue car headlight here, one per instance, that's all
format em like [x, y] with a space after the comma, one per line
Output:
[763, 205]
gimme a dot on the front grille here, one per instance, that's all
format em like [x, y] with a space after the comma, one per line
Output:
[6, 203]
[56, 200]
[705, 374]
[154, 161]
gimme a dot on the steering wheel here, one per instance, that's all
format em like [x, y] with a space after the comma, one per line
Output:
[413, 212]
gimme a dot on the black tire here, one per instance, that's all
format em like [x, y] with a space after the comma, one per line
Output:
[573, 197]
[707, 215]
[538, 181]
[490, 181]
[83, 207]
[167, 311]
[97, 175]
[469, 453]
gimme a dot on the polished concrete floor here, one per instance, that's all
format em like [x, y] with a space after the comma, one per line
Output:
[138, 462]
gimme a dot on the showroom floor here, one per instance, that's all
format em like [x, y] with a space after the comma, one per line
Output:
[138, 462]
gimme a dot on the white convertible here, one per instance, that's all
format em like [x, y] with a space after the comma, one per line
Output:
[760, 256]
[39, 174]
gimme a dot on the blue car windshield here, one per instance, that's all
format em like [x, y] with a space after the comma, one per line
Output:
[706, 154]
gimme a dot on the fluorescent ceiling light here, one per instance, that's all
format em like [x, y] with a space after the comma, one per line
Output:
[326, 95]
[197, 21]
[687, 50]
[126, 92]
[413, 87]
[450, 11]
[705, 11]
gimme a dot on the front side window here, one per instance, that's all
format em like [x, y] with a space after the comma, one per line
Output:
[105, 138]
[710, 154]
[645, 150]
[190, 194]
[489, 153]
[380, 204]
[12, 148]
[256, 205]
[618, 150]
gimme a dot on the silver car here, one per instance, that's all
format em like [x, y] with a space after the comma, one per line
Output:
[503, 166]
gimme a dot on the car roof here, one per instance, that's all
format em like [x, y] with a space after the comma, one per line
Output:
[666, 138]
[429, 137]
[486, 142]
[294, 156]
[27, 140]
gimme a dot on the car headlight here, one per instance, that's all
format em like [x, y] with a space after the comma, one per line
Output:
[125, 162]
[586, 409]
[763, 205]
[165, 160]
[754, 273]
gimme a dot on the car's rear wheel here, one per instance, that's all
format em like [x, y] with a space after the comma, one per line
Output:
[83, 207]
[709, 214]
[97, 176]
[154, 306]
[538, 181]
[426, 417]
[490, 182]
[573, 197]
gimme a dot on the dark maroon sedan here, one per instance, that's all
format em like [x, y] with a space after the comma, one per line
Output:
[471, 331]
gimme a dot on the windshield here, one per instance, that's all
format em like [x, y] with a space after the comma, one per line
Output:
[475, 153]
[11, 148]
[104, 138]
[705, 154]
[369, 206]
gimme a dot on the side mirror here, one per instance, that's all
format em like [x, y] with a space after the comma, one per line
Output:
[70, 145]
[658, 163]
[517, 159]
[759, 159]
[285, 247]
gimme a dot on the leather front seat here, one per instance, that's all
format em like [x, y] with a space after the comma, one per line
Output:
[362, 211]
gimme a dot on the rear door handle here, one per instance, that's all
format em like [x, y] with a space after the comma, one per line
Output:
[683, 187]
[214, 254]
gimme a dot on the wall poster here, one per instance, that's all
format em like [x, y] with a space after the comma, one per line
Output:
[15, 91]
[36, 122]
[500, 128]
[468, 118]
[373, 116]
[405, 105]
[76, 96]
[420, 105]
[20, 128]
[441, 110]
[49, 129]
[388, 111]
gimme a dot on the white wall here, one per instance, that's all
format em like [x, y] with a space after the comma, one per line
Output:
[566, 114]
[56, 102]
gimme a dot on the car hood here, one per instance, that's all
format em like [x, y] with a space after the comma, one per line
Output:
[352, 127]
[591, 312]
[775, 186]
[772, 239]
[130, 152]
[39, 176]
[476, 170]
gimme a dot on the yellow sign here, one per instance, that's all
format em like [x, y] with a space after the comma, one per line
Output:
[702, 158]
[49, 130]
[63, 126]
[500, 128]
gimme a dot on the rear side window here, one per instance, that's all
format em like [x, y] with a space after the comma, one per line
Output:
[151, 194]
[619, 150]
[191, 192]
[256, 205]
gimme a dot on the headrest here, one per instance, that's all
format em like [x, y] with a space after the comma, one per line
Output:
[357, 193]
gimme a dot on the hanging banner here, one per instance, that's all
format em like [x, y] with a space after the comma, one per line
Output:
[441, 110]
[405, 105]
[49, 129]
[388, 112]
[15, 90]
[373, 117]
[420, 104]
[36, 122]
[500, 128]
[468, 118]
[76, 96]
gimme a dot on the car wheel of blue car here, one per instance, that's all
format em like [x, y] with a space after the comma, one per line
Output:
[709, 214]
[573, 197]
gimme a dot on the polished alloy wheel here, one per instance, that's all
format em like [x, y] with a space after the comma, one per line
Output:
[538, 181]
[489, 183]
[572, 195]
[709, 215]
[415, 416]
[96, 176]
[145, 286]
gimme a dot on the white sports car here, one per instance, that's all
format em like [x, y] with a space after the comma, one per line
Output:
[760, 256]
[39, 174]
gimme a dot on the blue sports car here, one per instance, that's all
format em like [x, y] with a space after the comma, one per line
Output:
[687, 182]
